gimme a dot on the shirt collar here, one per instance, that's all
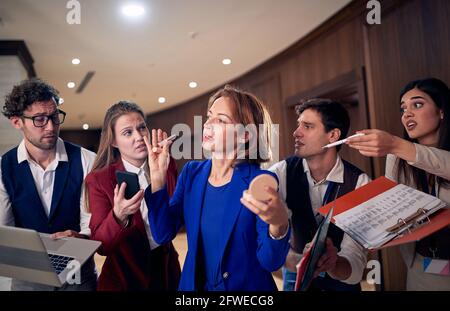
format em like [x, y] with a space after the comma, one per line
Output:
[61, 154]
[133, 169]
[335, 175]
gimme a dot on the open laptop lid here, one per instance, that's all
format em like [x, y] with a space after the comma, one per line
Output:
[79, 249]
[23, 256]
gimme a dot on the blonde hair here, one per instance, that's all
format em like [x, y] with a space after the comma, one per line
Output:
[107, 154]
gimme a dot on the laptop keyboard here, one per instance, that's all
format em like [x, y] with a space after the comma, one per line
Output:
[59, 262]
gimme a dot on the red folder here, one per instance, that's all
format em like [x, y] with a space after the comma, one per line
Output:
[438, 220]
[301, 269]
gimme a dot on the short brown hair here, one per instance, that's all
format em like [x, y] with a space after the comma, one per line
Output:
[249, 109]
[333, 114]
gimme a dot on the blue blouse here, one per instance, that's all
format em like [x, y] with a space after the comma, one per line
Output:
[211, 228]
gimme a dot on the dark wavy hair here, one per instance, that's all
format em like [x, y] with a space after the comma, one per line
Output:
[25, 94]
[440, 94]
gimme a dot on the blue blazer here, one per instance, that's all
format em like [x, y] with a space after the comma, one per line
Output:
[249, 255]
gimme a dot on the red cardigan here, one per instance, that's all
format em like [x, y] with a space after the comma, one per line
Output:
[129, 264]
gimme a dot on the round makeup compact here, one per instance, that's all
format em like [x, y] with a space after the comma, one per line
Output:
[258, 183]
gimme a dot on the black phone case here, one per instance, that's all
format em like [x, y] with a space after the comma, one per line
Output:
[132, 181]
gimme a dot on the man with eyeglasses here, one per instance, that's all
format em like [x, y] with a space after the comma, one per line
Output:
[41, 179]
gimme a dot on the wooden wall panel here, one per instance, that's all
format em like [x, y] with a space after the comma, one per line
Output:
[88, 139]
[395, 58]
[436, 28]
[268, 90]
[183, 113]
[317, 61]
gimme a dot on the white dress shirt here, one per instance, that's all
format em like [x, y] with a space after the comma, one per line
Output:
[351, 250]
[44, 181]
[143, 183]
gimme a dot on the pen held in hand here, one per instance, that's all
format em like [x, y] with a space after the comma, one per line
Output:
[167, 140]
[342, 141]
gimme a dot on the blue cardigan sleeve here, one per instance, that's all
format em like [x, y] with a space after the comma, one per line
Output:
[166, 214]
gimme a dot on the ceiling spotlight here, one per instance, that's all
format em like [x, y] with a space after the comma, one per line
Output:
[85, 126]
[75, 61]
[133, 10]
[193, 84]
[71, 85]
[226, 61]
[161, 100]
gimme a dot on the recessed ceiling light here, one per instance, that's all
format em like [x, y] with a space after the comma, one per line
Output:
[133, 10]
[85, 126]
[75, 61]
[193, 84]
[71, 85]
[226, 61]
[161, 100]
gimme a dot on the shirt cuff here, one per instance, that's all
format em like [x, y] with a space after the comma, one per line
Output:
[86, 232]
[356, 275]
[417, 159]
[280, 237]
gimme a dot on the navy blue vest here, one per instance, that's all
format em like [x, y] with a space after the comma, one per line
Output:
[304, 223]
[25, 201]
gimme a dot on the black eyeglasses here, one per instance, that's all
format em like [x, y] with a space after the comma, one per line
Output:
[41, 121]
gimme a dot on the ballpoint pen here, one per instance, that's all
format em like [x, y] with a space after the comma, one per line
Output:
[164, 142]
[167, 140]
[342, 141]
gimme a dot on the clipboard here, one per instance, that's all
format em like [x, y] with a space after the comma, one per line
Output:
[433, 223]
[307, 265]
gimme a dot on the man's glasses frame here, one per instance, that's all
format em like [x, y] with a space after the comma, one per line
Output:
[41, 120]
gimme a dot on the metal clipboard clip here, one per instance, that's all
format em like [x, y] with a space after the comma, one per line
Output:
[415, 220]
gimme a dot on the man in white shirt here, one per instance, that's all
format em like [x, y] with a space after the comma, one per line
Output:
[311, 179]
[41, 179]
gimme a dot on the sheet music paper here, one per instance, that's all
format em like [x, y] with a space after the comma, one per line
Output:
[368, 222]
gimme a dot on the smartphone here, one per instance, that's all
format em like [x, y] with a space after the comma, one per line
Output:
[132, 181]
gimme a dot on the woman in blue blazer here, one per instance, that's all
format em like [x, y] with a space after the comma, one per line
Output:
[234, 240]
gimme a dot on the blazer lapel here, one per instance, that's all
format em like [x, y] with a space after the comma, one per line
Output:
[198, 186]
[116, 166]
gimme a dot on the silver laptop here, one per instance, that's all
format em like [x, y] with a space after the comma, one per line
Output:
[31, 256]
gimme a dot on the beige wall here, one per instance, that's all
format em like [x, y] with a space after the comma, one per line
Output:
[11, 72]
